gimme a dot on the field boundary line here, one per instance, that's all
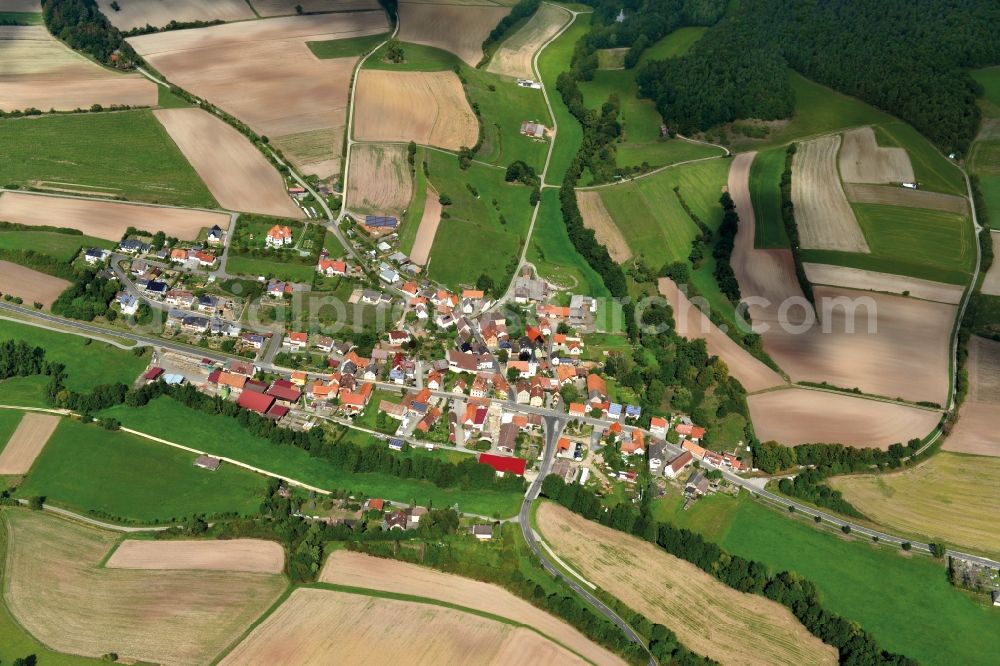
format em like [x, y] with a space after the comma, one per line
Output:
[268, 612]
[430, 601]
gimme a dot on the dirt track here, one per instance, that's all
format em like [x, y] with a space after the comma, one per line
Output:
[427, 107]
[801, 416]
[516, 53]
[105, 219]
[380, 179]
[979, 416]
[857, 278]
[692, 323]
[359, 570]
[459, 29]
[31, 285]
[824, 218]
[597, 217]
[139, 13]
[429, 222]
[863, 161]
[991, 283]
[27, 441]
[251, 555]
[893, 195]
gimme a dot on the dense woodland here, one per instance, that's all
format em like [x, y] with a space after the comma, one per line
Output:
[907, 57]
[83, 27]
[854, 644]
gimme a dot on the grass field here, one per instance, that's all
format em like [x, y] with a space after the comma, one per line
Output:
[87, 365]
[73, 152]
[86, 468]
[765, 192]
[59, 246]
[271, 268]
[673, 45]
[21, 18]
[223, 436]
[932, 169]
[553, 254]
[346, 48]
[553, 60]
[909, 241]
[923, 617]
[24, 391]
[989, 79]
[9, 418]
[952, 496]
[415, 211]
[479, 236]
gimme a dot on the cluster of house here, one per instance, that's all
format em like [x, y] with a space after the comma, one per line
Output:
[396, 518]
[272, 400]
[193, 257]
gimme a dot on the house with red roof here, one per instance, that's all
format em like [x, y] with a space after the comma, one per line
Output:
[331, 268]
[563, 447]
[355, 402]
[679, 462]
[255, 402]
[297, 340]
[597, 390]
[577, 409]
[658, 427]
[504, 464]
[284, 390]
[636, 444]
[278, 236]
[692, 432]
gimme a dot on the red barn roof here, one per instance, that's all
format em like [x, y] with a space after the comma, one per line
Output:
[255, 402]
[282, 389]
[152, 373]
[504, 463]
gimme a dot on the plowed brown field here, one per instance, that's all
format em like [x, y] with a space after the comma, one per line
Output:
[105, 219]
[460, 29]
[26, 442]
[893, 195]
[359, 570]
[429, 222]
[239, 177]
[991, 283]
[857, 278]
[427, 107]
[803, 416]
[38, 71]
[597, 217]
[979, 417]
[863, 161]
[57, 591]
[822, 214]
[158, 13]
[287, 7]
[30, 285]
[319, 627]
[515, 55]
[252, 555]
[380, 180]
[708, 617]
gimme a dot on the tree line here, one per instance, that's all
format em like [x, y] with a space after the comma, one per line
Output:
[907, 57]
[791, 228]
[722, 251]
[854, 644]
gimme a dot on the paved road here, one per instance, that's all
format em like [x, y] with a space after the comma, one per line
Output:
[553, 429]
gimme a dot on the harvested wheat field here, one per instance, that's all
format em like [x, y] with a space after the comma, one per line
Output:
[709, 617]
[516, 54]
[421, 251]
[892, 195]
[795, 416]
[858, 278]
[952, 496]
[321, 627]
[244, 67]
[906, 357]
[287, 7]
[460, 29]
[30, 285]
[106, 219]
[597, 217]
[822, 214]
[427, 107]
[360, 570]
[692, 323]
[26, 442]
[57, 590]
[38, 71]
[251, 555]
[979, 417]
[236, 173]
[158, 13]
[863, 161]
[380, 181]
[20, 5]
[991, 282]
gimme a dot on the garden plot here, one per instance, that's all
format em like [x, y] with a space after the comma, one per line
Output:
[460, 29]
[514, 57]
[862, 160]
[158, 13]
[251, 555]
[30, 285]
[979, 417]
[597, 217]
[380, 181]
[27, 442]
[823, 216]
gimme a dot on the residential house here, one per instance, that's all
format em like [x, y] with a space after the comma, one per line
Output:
[395, 520]
[633, 412]
[397, 338]
[692, 432]
[434, 380]
[480, 387]
[296, 341]
[95, 255]
[331, 268]
[678, 463]
[597, 391]
[564, 448]
[195, 323]
[577, 409]
[697, 485]
[522, 392]
[278, 236]
[215, 235]
[658, 427]
[133, 246]
[635, 443]
[485, 532]
[178, 256]
[279, 289]
[128, 303]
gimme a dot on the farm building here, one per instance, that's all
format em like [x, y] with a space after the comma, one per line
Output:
[255, 402]
[380, 224]
[534, 130]
[207, 462]
[504, 464]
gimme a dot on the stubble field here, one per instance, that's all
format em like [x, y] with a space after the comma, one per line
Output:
[515, 55]
[158, 13]
[597, 217]
[459, 29]
[862, 160]
[30, 285]
[105, 219]
[287, 7]
[249, 555]
[57, 591]
[952, 496]
[380, 181]
[979, 417]
[360, 570]
[858, 278]
[427, 107]
[238, 175]
[708, 617]
[36, 71]
[803, 416]
[314, 627]
[892, 195]
[824, 218]
[27, 441]
[429, 221]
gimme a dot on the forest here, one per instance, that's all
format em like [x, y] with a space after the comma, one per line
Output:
[908, 58]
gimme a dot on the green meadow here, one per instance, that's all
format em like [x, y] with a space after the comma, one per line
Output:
[552, 61]
[127, 153]
[553, 254]
[91, 470]
[765, 193]
[270, 268]
[57, 245]
[346, 48]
